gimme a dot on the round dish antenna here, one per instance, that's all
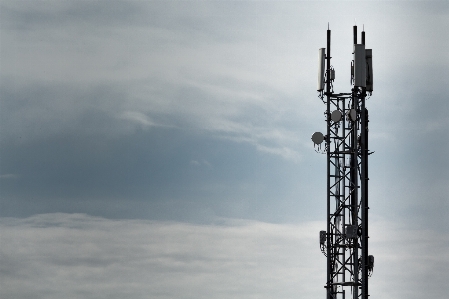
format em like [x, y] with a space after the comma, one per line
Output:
[352, 115]
[336, 116]
[317, 138]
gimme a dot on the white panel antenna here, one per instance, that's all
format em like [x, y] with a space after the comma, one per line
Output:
[321, 68]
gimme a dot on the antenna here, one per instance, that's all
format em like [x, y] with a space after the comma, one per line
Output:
[345, 240]
[336, 116]
[363, 35]
[321, 59]
[369, 70]
[359, 66]
[317, 138]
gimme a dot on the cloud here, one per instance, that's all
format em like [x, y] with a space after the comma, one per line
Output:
[200, 162]
[239, 70]
[193, 68]
[9, 176]
[73, 255]
[82, 82]
[411, 258]
[137, 117]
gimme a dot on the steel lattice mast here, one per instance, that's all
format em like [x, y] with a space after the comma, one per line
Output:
[345, 242]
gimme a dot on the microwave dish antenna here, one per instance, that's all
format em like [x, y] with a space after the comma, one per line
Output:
[336, 116]
[317, 138]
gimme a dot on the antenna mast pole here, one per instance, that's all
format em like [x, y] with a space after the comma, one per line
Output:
[345, 242]
[328, 94]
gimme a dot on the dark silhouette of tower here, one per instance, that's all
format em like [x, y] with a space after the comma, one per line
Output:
[345, 242]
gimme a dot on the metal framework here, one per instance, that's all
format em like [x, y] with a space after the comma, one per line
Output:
[345, 242]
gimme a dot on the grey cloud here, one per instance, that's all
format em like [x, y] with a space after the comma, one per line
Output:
[55, 255]
[88, 94]
[140, 259]
[408, 257]
[37, 110]
[33, 15]
[409, 172]
[171, 75]
[9, 176]
[150, 175]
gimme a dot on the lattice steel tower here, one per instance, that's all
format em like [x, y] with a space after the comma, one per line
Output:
[345, 242]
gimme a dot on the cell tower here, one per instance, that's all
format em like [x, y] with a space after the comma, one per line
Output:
[345, 242]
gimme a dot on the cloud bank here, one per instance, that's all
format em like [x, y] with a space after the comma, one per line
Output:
[79, 256]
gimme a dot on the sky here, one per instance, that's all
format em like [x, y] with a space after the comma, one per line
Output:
[162, 149]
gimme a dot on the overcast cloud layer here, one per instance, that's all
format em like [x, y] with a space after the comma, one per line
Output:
[78, 256]
[169, 118]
